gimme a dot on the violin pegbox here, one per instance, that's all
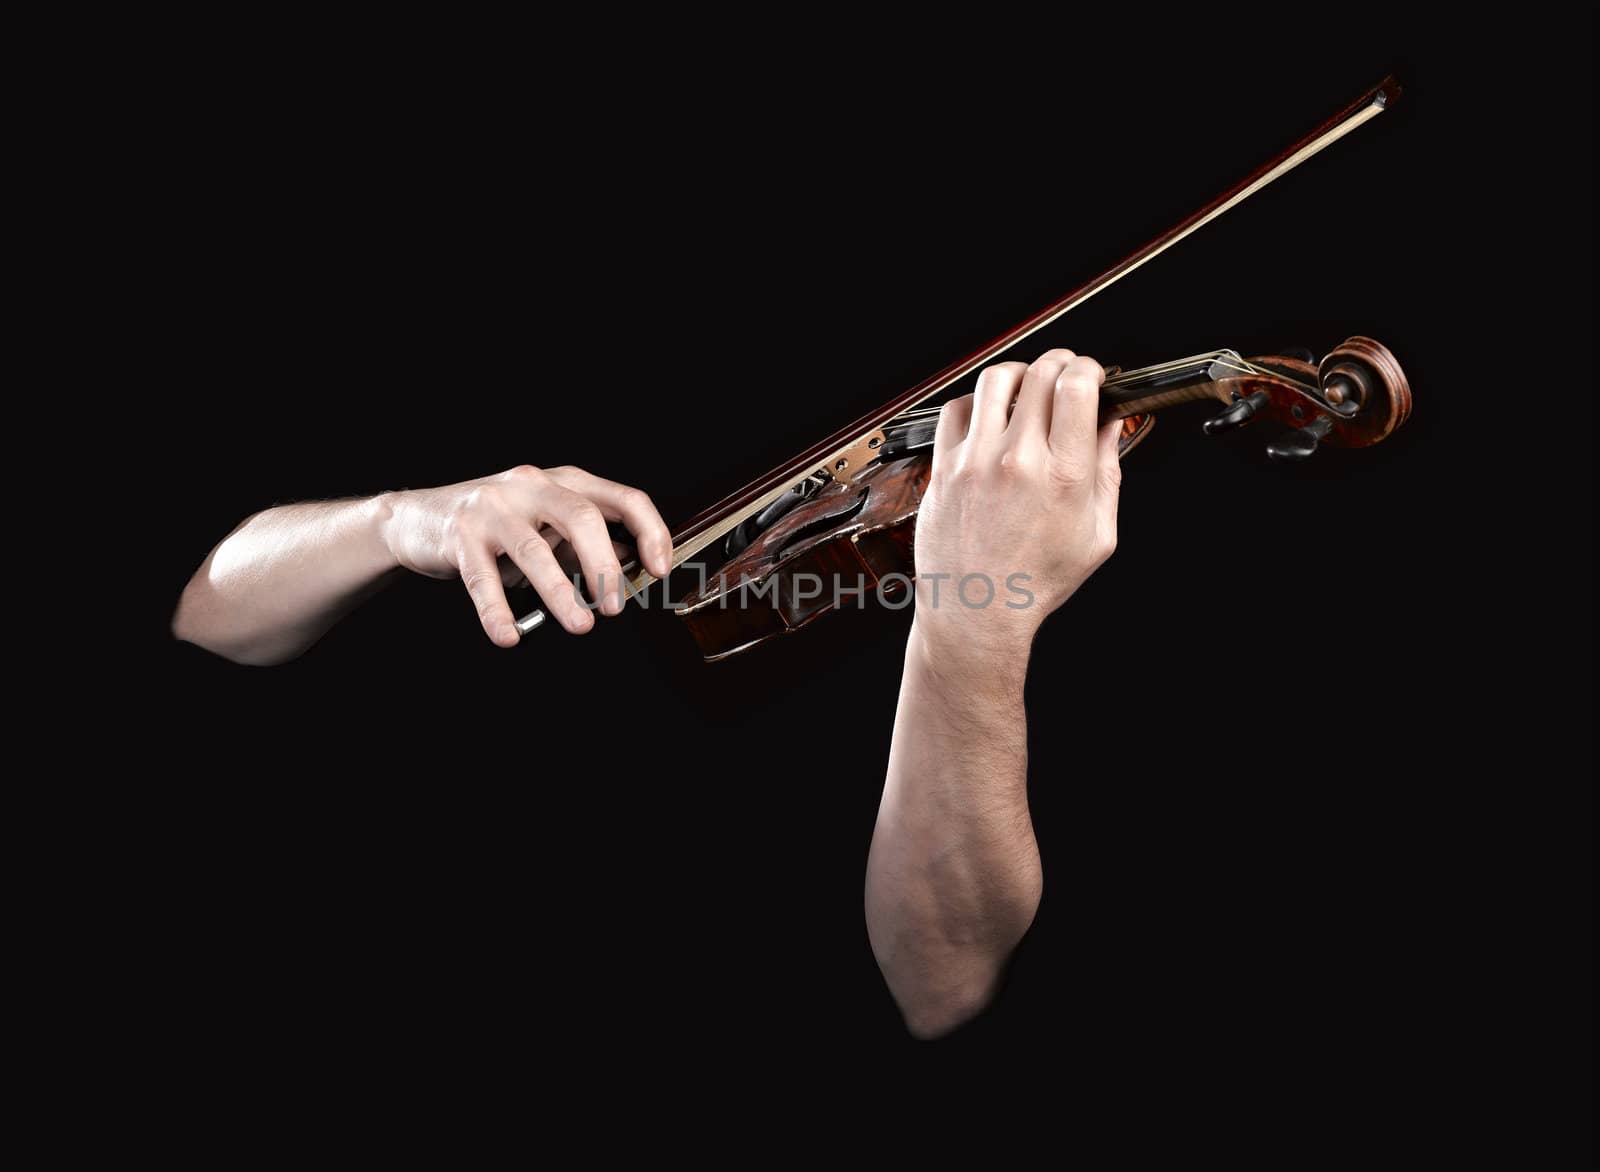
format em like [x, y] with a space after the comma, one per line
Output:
[1356, 396]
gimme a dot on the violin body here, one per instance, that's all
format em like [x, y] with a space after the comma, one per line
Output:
[852, 537]
[851, 533]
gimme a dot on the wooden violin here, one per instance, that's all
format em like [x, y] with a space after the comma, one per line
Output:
[834, 537]
[843, 512]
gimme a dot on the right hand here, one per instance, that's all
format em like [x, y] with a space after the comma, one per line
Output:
[464, 529]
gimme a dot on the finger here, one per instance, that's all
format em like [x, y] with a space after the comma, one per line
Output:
[532, 554]
[511, 574]
[480, 573]
[632, 506]
[997, 386]
[1074, 416]
[955, 417]
[1109, 482]
[1030, 418]
[580, 521]
[567, 559]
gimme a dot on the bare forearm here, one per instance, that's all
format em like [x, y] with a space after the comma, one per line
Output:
[276, 584]
[953, 878]
[1023, 487]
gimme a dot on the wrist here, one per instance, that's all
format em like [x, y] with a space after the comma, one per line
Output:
[989, 662]
[383, 512]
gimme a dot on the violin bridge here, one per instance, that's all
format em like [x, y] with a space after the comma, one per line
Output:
[846, 464]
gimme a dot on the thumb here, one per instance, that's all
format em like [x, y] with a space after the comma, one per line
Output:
[1108, 477]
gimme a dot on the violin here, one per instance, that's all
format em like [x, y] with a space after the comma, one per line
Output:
[839, 519]
[847, 531]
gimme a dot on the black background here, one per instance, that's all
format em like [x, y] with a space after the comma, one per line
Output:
[1310, 755]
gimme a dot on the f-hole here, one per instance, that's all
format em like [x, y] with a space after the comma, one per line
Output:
[822, 524]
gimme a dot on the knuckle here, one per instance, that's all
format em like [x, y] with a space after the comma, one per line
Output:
[636, 500]
[1090, 368]
[530, 547]
[462, 523]
[1017, 463]
[1052, 358]
[562, 472]
[1068, 473]
[950, 413]
[583, 511]
[1000, 372]
[1077, 382]
[479, 585]
[525, 472]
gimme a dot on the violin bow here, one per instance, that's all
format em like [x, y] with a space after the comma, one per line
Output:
[853, 445]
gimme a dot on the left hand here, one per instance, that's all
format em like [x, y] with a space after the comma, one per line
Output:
[1017, 506]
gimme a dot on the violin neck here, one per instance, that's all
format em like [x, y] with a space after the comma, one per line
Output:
[1136, 392]
[1124, 393]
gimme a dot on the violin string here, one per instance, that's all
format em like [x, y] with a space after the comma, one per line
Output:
[1128, 377]
[1227, 359]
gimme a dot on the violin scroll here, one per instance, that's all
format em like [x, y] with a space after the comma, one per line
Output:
[1356, 396]
[1362, 375]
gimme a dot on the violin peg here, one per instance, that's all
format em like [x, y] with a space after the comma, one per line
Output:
[1236, 415]
[1300, 443]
